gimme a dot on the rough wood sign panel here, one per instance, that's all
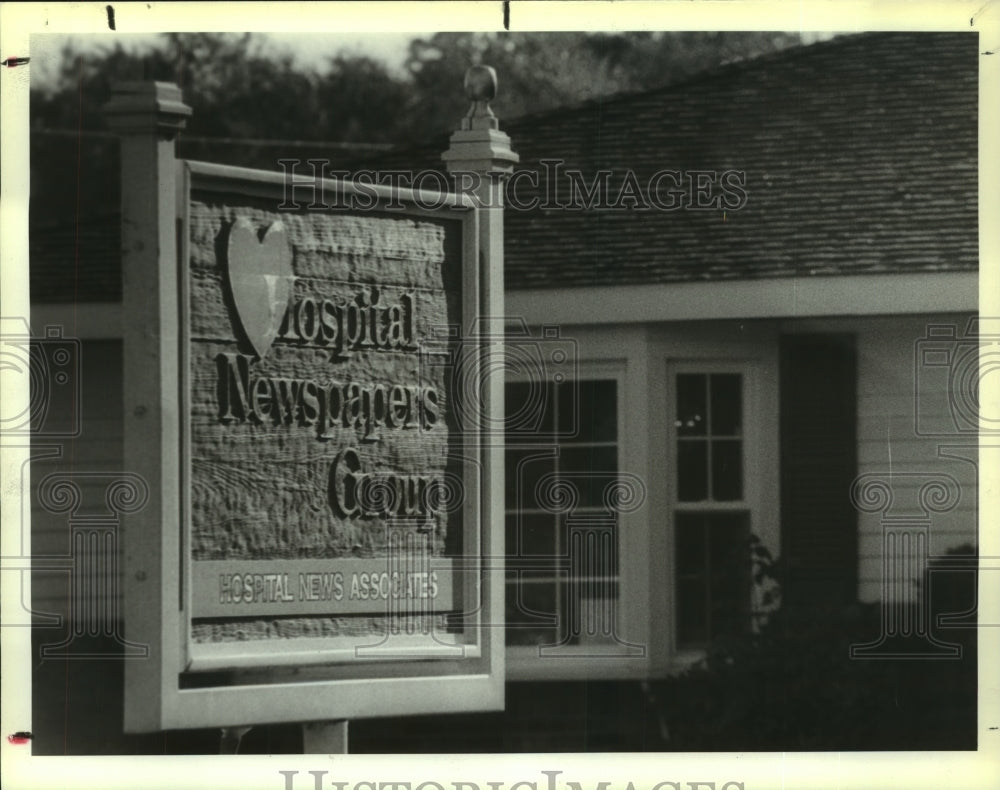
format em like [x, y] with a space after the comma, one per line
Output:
[323, 423]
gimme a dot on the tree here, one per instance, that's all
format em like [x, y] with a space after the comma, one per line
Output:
[359, 100]
[235, 87]
[240, 87]
[543, 71]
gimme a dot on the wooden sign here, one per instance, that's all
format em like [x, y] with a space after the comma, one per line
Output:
[323, 536]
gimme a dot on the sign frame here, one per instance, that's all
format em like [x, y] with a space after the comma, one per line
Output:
[180, 685]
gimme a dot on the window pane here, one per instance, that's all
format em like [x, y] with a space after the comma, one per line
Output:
[538, 594]
[530, 410]
[689, 539]
[531, 607]
[691, 405]
[728, 541]
[692, 471]
[571, 613]
[692, 619]
[592, 547]
[531, 535]
[590, 470]
[727, 407]
[727, 470]
[524, 470]
[729, 585]
[598, 460]
[588, 411]
[713, 571]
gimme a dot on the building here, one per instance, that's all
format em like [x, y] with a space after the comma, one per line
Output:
[734, 301]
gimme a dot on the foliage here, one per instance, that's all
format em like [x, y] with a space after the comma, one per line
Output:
[542, 71]
[239, 87]
[792, 685]
[245, 91]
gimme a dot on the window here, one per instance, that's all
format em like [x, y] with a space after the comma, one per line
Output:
[562, 541]
[713, 585]
[711, 515]
[709, 437]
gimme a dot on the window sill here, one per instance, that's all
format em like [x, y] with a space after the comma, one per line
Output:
[574, 664]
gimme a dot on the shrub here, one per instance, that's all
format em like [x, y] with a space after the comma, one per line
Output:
[790, 683]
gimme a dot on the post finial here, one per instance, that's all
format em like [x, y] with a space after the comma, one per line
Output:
[480, 89]
[478, 145]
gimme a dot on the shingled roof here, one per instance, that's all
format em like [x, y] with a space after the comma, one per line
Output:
[859, 155]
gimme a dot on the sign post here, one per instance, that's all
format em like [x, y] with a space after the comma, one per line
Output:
[308, 387]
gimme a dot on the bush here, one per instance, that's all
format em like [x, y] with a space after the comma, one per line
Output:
[792, 685]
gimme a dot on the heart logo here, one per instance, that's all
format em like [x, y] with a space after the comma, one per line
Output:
[260, 277]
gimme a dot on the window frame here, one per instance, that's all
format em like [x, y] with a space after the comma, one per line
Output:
[683, 655]
[524, 662]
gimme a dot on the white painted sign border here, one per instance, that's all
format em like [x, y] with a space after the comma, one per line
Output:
[249, 686]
